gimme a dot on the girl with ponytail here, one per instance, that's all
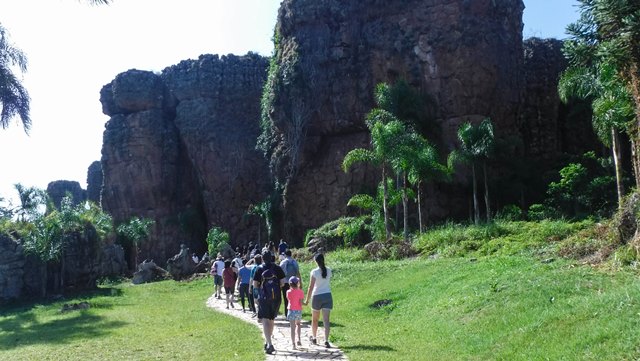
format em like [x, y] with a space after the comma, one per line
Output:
[321, 300]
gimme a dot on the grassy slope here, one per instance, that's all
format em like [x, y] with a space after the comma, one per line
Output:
[159, 321]
[503, 308]
[494, 308]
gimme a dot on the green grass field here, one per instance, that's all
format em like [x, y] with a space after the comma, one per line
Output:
[159, 321]
[500, 308]
[490, 308]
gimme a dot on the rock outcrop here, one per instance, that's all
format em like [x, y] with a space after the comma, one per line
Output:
[83, 261]
[59, 189]
[179, 148]
[466, 54]
[11, 268]
[94, 182]
[547, 126]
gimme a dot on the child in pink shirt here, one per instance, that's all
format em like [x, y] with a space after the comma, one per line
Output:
[295, 296]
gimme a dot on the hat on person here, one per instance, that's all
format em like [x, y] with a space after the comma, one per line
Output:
[294, 280]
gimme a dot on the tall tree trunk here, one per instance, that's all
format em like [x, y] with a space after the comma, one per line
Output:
[634, 81]
[405, 207]
[385, 208]
[615, 149]
[634, 157]
[476, 207]
[420, 206]
[397, 207]
[486, 192]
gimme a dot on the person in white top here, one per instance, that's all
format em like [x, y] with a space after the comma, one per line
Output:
[321, 300]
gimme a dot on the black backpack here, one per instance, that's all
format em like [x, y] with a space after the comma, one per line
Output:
[270, 286]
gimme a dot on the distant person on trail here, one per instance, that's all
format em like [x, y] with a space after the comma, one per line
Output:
[282, 247]
[321, 300]
[195, 258]
[291, 269]
[244, 277]
[229, 280]
[295, 296]
[217, 276]
[257, 260]
[268, 279]
[235, 265]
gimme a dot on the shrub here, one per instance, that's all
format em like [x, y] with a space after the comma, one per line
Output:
[539, 212]
[217, 239]
[345, 231]
[510, 212]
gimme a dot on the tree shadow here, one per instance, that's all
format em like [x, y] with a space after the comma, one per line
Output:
[19, 306]
[24, 329]
[22, 326]
[368, 348]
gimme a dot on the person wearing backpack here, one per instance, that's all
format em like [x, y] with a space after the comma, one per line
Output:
[268, 280]
[291, 269]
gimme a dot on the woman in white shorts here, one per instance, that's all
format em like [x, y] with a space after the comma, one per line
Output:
[321, 300]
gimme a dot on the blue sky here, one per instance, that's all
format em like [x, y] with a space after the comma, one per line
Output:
[74, 49]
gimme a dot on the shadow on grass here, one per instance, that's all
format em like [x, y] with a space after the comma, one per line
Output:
[368, 348]
[13, 307]
[20, 326]
[24, 329]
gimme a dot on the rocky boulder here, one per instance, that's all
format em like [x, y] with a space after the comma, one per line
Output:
[94, 182]
[61, 188]
[11, 268]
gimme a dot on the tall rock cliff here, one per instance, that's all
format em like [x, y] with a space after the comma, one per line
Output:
[330, 55]
[179, 149]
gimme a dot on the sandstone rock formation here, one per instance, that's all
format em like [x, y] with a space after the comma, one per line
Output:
[545, 125]
[466, 54]
[179, 148]
[11, 268]
[25, 276]
[60, 188]
[94, 182]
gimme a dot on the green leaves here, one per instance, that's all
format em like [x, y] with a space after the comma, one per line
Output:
[135, 230]
[216, 239]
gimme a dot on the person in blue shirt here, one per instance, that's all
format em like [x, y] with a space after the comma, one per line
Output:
[244, 276]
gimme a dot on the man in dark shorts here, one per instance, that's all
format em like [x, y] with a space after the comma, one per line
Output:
[270, 299]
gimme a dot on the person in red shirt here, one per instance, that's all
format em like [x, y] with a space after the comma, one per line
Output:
[229, 281]
[295, 296]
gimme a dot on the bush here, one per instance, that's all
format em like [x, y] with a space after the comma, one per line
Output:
[345, 232]
[510, 212]
[540, 212]
[501, 237]
[217, 239]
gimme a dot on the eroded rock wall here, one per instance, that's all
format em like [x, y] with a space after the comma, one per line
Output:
[179, 148]
[466, 54]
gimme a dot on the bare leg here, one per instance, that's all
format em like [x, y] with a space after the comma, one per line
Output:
[299, 328]
[326, 323]
[315, 315]
[267, 329]
[293, 334]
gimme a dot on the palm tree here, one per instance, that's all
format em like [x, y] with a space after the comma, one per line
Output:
[14, 99]
[611, 105]
[477, 142]
[385, 130]
[136, 230]
[608, 32]
[31, 199]
[425, 166]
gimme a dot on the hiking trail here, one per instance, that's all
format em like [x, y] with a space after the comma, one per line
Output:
[282, 336]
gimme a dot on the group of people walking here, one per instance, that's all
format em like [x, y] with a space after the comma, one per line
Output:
[264, 284]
